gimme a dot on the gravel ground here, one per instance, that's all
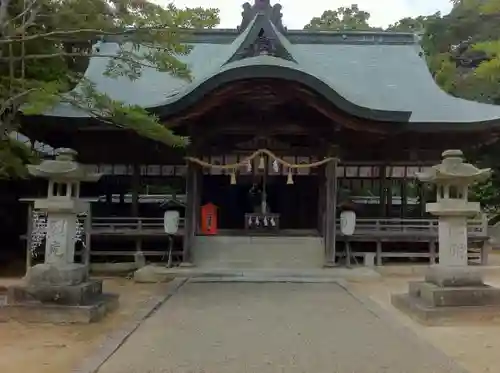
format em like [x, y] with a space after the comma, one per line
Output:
[45, 348]
[272, 327]
[474, 345]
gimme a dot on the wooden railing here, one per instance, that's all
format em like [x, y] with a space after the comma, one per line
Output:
[410, 228]
[369, 228]
[133, 226]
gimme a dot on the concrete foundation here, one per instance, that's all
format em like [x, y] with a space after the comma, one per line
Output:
[441, 316]
[257, 252]
[53, 313]
[57, 295]
[81, 294]
[449, 296]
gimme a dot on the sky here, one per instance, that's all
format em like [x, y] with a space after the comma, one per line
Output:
[297, 13]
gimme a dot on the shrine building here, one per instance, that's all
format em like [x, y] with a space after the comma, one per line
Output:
[287, 128]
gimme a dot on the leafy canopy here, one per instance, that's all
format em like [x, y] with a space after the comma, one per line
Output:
[463, 54]
[344, 18]
[45, 47]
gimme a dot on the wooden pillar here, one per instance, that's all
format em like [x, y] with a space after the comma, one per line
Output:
[388, 198]
[198, 184]
[136, 186]
[334, 212]
[321, 202]
[486, 246]
[86, 254]
[378, 258]
[421, 199]
[383, 191]
[404, 198]
[486, 249]
[29, 231]
[432, 252]
[191, 213]
[330, 228]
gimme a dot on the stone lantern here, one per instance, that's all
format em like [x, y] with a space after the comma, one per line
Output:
[452, 178]
[451, 288]
[62, 206]
[59, 290]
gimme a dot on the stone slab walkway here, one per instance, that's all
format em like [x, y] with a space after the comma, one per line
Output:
[273, 327]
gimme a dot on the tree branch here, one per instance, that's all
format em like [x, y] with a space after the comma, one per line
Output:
[4, 7]
[64, 54]
[11, 101]
[29, 21]
[94, 32]
[25, 11]
[105, 115]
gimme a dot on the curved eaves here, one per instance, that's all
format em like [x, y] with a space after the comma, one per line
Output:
[452, 127]
[273, 68]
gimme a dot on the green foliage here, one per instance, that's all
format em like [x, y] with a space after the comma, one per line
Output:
[463, 53]
[488, 194]
[45, 46]
[344, 18]
[417, 25]
[13, 157]
[134, 118]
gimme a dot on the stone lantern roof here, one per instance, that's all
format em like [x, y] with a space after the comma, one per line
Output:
[63, 167]
[453, 170]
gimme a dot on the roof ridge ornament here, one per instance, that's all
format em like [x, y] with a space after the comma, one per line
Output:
[262, 7]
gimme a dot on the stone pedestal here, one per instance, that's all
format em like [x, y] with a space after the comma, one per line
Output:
[450, 295]
[59, 295]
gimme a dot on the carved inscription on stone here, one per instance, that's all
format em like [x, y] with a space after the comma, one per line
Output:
[458, 252]
[453, 241]
[56, 239]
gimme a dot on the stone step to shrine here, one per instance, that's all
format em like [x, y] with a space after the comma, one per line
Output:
[258, 252]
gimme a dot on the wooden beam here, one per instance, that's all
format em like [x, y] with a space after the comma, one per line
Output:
[192, 175]
[321, 201]
[188, 227]
[29, 232]
[286, 92]
[136, 185]
[383, 191]
[330, 229]
[404, 197]
[88, 238]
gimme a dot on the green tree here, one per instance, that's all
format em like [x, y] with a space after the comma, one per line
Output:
[463, 51]
[344, 18]
[417, 25]
[45, 46]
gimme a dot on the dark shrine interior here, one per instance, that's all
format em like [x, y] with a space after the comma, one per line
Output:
[296, 203]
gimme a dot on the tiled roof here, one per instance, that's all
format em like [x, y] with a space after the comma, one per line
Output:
[375, 75]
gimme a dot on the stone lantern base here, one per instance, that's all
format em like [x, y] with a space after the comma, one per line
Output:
[448, 295]
[59, 295]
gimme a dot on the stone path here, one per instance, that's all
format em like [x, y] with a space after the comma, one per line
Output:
[272, 327]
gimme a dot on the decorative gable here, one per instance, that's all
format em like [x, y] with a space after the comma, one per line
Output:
[261, 40]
